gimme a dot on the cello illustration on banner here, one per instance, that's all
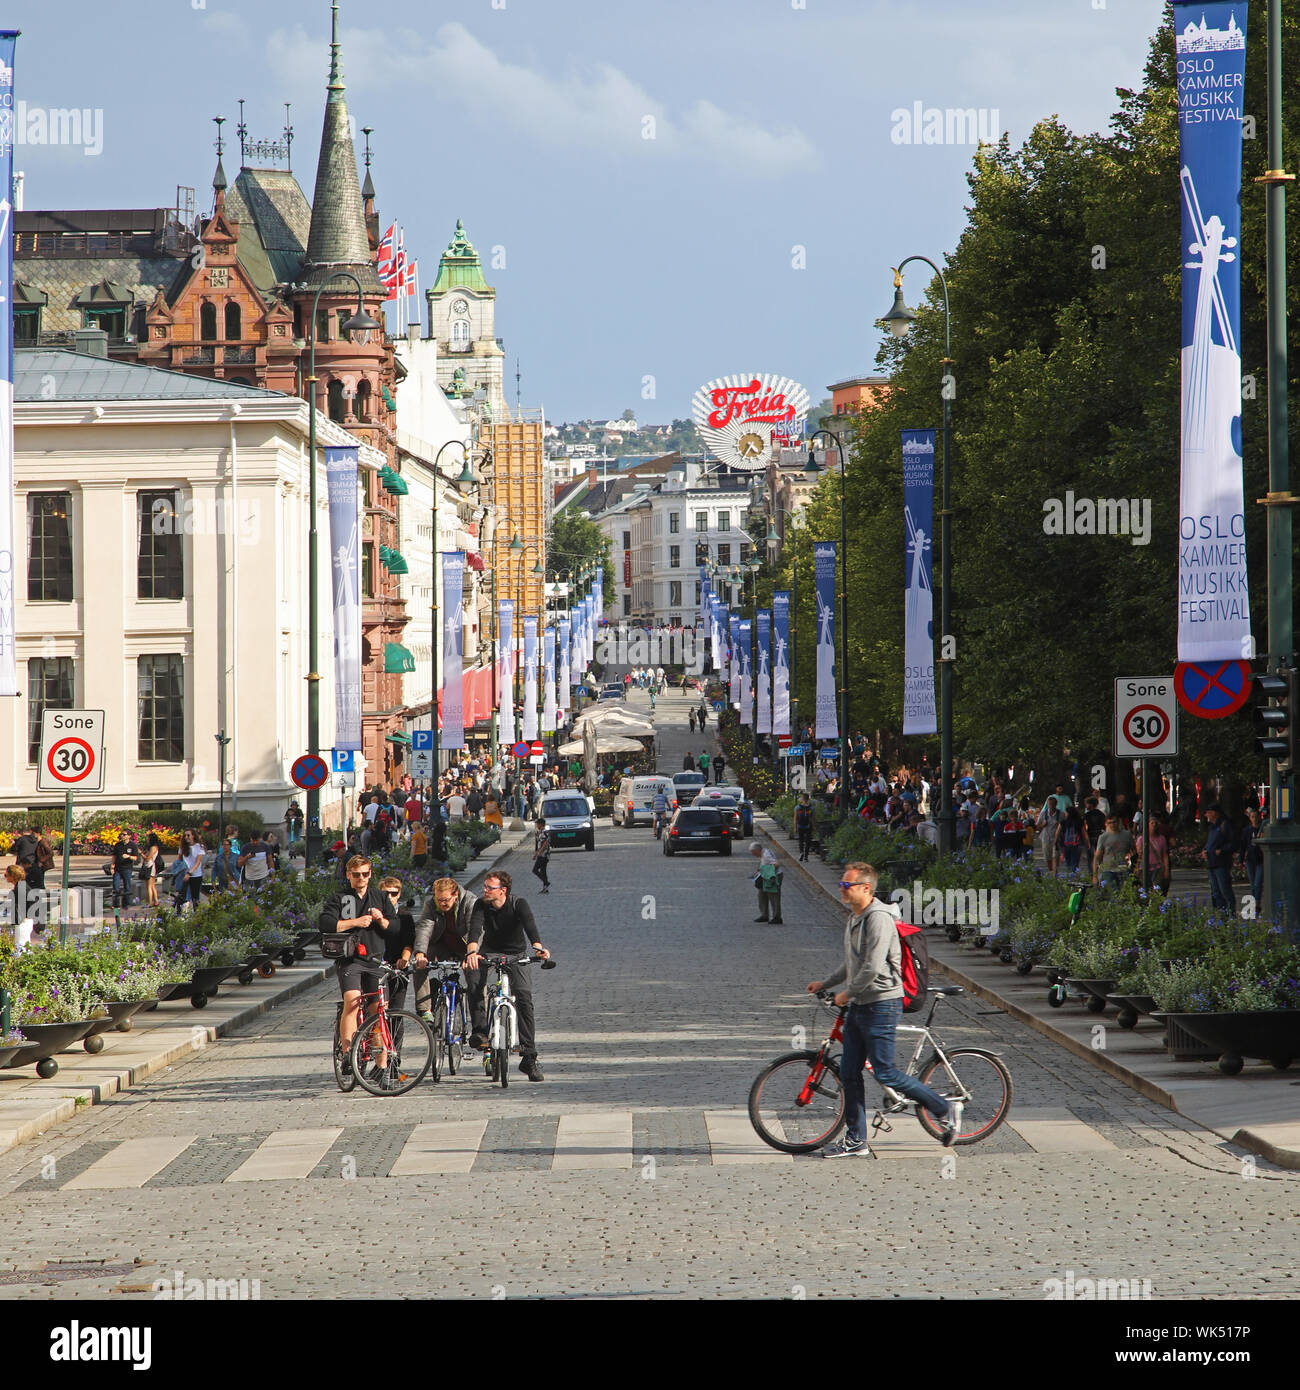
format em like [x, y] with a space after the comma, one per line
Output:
[920, 599]
[1211, 371]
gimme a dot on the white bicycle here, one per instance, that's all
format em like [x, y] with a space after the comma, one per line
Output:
[503, 1017]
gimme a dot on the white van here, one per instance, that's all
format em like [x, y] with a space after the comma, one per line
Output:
[569, 818]
[636, 800]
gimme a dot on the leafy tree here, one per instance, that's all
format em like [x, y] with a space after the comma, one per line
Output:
[576, 541]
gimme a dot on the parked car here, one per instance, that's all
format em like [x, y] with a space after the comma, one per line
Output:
[744, 806]
[614, 690]
[699, 827]
[635, 799]
[569, 819]
[727, 806]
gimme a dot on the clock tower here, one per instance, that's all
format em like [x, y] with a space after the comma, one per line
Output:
[462, 318]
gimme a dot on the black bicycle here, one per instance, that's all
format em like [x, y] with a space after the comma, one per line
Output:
[450, 1008]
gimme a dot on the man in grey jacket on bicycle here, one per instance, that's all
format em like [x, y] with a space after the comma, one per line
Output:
[452, 916]
[872, 976]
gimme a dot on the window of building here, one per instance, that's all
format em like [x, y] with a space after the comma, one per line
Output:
[323, 326]
[724, 521]
[49, 686]
[367, 571]
[701, 521]
[49, 547]
[363, 401]
[697, 593]
[674, 523]
[460, 335]
[160, 572]
[674, 557]
[334, 400]
[207, 322]
[161, 691]
[234, 331]
[744, 551]
[112, 321]
[675, 591]
[27, 325]
[701, 552]
[627, 540]
[627, 605]
[724, 554]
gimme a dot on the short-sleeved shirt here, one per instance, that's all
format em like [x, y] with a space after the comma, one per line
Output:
[1113, 846]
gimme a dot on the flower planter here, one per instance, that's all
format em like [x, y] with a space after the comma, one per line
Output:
[208, 978]
[1184, 1046]
[260, 963]
[8, 1052]
[94, 1041]
[44, 1040]
[1092, 992]
[1130, 1006]
[301, 942]
[121, 1011]
[1272, 1035]
[177, 989]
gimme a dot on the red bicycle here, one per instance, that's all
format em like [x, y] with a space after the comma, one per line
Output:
[392, 1050]
[796, 1103]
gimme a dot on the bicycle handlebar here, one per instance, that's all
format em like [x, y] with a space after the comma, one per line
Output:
[517, 960]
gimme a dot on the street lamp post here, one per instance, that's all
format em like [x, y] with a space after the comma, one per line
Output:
[844, 614]
[358, 328]
[223, 738]
[898, 320]
[465, 479]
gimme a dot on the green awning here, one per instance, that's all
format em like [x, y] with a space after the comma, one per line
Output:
[388, 397]
[403, 739]
[396, 563]
[397, 661]
[393, 482]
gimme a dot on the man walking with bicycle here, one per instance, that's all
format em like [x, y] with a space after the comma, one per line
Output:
[872, 976]
[507, 929]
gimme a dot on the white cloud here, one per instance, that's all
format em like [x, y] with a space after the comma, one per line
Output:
[598, 108]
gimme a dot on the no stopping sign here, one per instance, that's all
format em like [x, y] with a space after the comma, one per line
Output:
[72, 751]
[1146, 719]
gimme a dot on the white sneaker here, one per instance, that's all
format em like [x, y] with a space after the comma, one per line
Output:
[951, 1130]
[846, 1148]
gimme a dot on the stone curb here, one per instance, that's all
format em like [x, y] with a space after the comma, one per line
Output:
[47, 1111]
[1244, 1138]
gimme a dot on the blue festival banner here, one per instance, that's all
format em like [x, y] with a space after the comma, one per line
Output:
[548, 681]
[589, 631]
[563, 642]
[453, 637]
[744, 632]
[8, 655]
[577, 645]
[781, 661]
[530, 678]
[763, 671]
[824, 576]
[733, 658]
[345, 563]
[1213, 603]
[505, 670]
[919, 715]
[715, 632]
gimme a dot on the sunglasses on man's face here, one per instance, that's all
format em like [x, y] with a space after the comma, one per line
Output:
[852, 883]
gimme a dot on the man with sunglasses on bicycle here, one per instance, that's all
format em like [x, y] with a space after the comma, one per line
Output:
[451, 914]
[362, 908]
[872, 976]
[507, 929]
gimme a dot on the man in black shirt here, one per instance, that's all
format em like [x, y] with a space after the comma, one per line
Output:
[400, 941]
[508, 929]
[361, 908]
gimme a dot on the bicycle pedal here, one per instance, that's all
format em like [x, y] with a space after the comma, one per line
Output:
[880, 1123]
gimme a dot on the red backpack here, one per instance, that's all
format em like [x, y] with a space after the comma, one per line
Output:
[915, 966]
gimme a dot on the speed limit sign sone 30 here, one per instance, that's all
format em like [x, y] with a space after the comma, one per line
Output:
[1146, 717]
[72, 751]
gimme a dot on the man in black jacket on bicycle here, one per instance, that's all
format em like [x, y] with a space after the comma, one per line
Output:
[361, 908]
[509, 930]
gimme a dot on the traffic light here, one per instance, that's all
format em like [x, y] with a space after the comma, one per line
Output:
[1275, 721]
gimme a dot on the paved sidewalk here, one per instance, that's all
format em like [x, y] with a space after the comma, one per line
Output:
[1258, 1110]
[30, 1105]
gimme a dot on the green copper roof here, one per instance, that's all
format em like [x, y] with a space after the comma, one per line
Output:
[460, 267]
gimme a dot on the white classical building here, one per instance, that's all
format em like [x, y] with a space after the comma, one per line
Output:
[161, 537]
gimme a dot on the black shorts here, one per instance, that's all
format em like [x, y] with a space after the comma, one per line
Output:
[357, 974]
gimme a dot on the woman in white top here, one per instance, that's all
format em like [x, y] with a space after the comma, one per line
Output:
[149, 867]
[192, 854]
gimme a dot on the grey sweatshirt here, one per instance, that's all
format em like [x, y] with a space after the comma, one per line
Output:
[873, 958]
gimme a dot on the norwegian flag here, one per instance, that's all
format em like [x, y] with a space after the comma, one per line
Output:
[384, 255]
[413, 280]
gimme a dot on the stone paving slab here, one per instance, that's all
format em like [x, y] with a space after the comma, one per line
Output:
[1257, 1110]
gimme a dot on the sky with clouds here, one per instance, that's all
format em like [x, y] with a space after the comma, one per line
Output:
[682, 189]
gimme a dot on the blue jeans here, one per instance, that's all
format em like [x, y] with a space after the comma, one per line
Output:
[122, 885]
[1221, 888]
[1114, 878]
[1256, 872]
[869, 1034]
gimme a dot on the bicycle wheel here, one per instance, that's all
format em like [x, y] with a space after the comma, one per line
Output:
[501, 1067]
[791, 1114]
[346, 1078]
[409, 1053]
[441, 1050]
[984, 1089]
[458, 1032]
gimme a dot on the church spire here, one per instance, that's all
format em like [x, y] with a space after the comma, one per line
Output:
[219, 184]
[338, 237]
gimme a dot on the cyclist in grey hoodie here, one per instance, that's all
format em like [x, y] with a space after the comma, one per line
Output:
[873, 970]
